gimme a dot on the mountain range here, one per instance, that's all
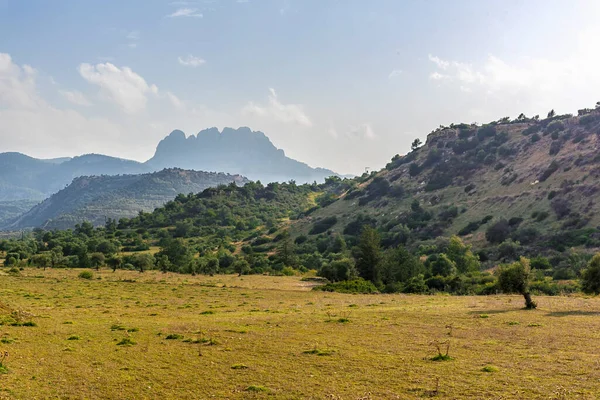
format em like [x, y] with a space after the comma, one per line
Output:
[26, 181]
[236, 151]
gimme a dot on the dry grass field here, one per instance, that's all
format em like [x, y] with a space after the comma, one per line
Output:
[127, 335]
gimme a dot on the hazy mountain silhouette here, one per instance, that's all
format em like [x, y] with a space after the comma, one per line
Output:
[243, 151]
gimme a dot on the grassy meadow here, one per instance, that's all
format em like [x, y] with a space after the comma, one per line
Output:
[166, 336]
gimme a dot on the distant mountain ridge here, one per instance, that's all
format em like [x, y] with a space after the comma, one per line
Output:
[236, 151]
[96, 198]
[241, 150]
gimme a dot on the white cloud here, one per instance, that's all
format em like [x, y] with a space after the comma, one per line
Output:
[440, 63]
[175, 100]
[75, 97]
[121, 85]
[395, 73]
[191, 61]
[186, 12]
[436, 76]
[531, 85]
[286, 113]
[17, 84]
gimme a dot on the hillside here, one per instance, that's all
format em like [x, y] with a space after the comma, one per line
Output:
[97, 198]
[535, 178]
[23, 177]
[240, 151]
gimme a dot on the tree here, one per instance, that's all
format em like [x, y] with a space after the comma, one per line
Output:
[209, 266]
[114, 262]
[400, 266]
[498, 232]
[521, 117]
[598, 104]
[368, 254]
[442, 265]
[551, 114]
[177, 252]
[42, 260]
[163, 263]
[590, 277]
[462, 256]
[97, 260]
[515, 278]
[416, 144]
[285, 251]
[241, 266]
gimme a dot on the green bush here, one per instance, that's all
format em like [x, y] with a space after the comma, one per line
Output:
[353, 286]
[86, 275]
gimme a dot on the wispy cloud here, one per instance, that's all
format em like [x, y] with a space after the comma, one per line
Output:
[75, 97]
[186, 12]
[395, 73]
[286, 113]
[191, 61]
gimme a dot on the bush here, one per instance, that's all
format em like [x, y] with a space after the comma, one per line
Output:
[498, 232]
[549, 171]
[354, 286]
[555, 147]
[590, 278]
[323, 225]
[86, 275]
[561, 208]
[535, 138]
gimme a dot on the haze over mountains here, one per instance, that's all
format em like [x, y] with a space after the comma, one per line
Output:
[25, 181]
[236, 151]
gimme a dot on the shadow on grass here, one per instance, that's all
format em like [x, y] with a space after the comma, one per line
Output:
[574, 312]
[492, 311]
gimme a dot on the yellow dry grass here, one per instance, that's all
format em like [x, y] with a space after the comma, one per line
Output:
[271, 337]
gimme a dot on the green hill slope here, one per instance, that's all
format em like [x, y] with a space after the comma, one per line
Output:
[98, 198]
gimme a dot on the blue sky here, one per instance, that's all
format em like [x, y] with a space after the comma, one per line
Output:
[337, 84]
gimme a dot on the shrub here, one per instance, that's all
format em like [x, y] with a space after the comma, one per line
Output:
[126, 342]
[590, 278]
[323, 225]
[549, 171]
[86, 275]
[561, 208]
[535, 138]
[414, 169]
[354, 286]
[498, 232]
[555, 147]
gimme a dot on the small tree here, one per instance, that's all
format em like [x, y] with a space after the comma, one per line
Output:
[462, 256]
[551, 114]
[114, 262]
[515, 278]
[97, 260]
[590, 277]
[368, 254]
[241, 266]
[416, 144]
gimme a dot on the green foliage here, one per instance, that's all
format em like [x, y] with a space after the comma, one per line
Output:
[590, 277]
[368, 254]
[323, 225]
[353, 286]
[86, 275]
[515, 278]
[498, 232]
[462, 256]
